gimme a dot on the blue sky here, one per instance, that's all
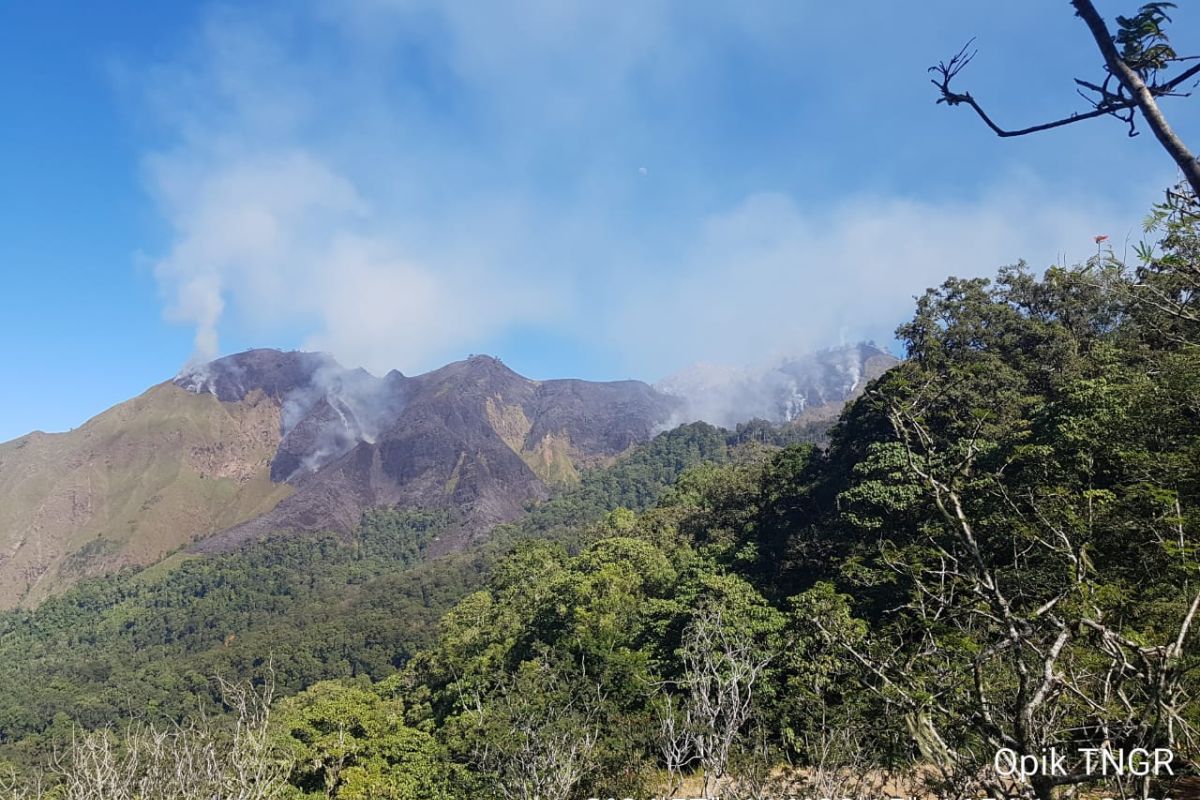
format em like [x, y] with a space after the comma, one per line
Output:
[590, 189]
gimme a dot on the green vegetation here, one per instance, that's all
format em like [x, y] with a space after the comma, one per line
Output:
[312, 608]
[150, 644]
[353, 743]
[999, 548]
[634, 483]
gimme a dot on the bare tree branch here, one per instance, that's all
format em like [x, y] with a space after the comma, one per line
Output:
[1131, 94]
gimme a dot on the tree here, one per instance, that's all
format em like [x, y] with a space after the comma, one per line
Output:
[1166, 294]
[352, 743]
[535, 736]
[723, 664]
[1038, 463]
[1134, 60]
[199, 759]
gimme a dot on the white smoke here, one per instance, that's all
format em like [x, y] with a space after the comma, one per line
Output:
[445, 177]
[853, 369]
[244, 227]
[337, 409]
[780, 391]
[325, 408]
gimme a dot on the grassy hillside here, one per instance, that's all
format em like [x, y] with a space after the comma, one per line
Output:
[131, 485]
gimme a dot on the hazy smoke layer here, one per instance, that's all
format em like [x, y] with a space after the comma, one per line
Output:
[325, 409]
[442, 178]
[781, 392]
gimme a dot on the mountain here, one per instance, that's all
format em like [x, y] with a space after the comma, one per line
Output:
[796, 390]
[473, 436]
[132, 484]
[266, 440]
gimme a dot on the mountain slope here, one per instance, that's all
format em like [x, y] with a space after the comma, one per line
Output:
[473, 436]
[206, 459]
[263, 441]
[322, 606]
[130, 485]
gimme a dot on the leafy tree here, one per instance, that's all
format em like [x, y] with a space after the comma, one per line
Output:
[1033, 470]
[351, 743]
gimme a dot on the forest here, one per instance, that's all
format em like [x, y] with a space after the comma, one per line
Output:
[996, 549]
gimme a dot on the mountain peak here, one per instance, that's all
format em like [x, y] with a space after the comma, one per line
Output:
[297, 442]
[275, 372]
[480, 372]
[484, 364]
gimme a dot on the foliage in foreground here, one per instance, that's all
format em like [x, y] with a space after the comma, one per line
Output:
[316, 607]
[998, 549]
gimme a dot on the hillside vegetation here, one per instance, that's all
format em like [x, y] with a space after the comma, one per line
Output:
[997, 549]
[314, 607]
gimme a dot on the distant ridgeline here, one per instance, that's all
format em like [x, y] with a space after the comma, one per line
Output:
[265, 442]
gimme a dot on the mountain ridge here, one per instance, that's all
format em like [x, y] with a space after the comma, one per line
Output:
[266, 441]
[473, 435]
[793, 390]
[224, 443]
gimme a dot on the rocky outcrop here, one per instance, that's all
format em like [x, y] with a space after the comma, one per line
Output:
[473, 436]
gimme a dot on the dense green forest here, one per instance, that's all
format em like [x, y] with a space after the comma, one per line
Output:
[148, 643]
[998, 549]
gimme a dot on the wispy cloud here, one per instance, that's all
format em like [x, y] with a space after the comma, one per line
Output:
[766, 276]
[403, 182]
